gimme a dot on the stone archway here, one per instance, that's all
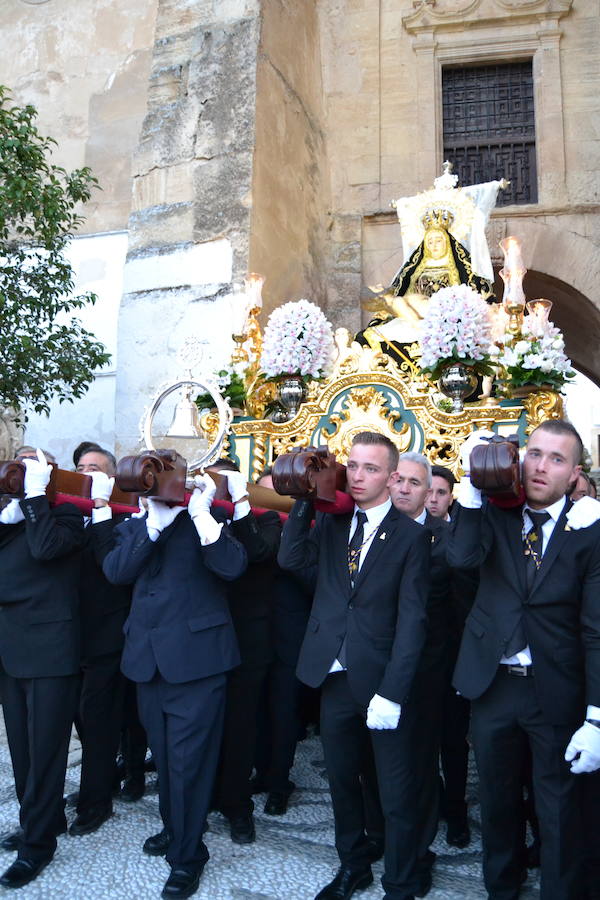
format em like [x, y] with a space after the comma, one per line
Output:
[565, 268]
[573, 313]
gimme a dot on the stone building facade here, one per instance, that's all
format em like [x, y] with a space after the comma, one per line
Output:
[271, 135]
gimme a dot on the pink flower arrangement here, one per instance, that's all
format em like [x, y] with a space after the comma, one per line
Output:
[298, 340]
[456, 328]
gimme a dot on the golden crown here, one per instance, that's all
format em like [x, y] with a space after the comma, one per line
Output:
[437, 218]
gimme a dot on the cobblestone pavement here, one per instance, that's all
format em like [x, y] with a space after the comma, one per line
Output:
[292, 859]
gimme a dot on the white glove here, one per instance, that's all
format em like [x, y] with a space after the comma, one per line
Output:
[12, 513]
[102, 486]
[202, 496]
[37, 475]
[382, 713]
[208, 528]
[141, 510]
[583, 751]
[583, 513]
[474, 439]
[236, 485]
[468, 496]
[160, 516]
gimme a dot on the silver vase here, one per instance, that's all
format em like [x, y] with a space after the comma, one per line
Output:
[291, 391]
[458, 382]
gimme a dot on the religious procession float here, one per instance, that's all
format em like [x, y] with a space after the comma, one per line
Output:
[440, 357]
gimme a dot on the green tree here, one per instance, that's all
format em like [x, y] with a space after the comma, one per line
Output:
[44, 350]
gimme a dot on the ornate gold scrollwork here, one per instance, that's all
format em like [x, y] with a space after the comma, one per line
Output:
[364, 409]
[542, 405]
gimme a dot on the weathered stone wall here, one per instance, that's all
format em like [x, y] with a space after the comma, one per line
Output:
[189, 227]
[290, 187]
[84, 64]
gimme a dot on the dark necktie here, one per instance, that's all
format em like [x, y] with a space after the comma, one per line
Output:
[533, 548]
[534, 545]
[354, 548]
[355, 545]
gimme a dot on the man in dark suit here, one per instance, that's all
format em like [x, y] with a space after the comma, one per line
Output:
[456, 710]
[363, 643]
[530, 660]
[440, 500]
[104, 608]
[280, 721]
[39, 655]
[250, 603]
[410, 490]
[179, 643]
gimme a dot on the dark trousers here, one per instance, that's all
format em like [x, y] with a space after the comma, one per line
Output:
[345, 740]
[279, 726]
[427, 697]
[99, 726]
[238, 748]
[134, 742]
[39, 713]
[591, 827]
[454, 753]
[503, 720]
[184, 724]
[426, 700]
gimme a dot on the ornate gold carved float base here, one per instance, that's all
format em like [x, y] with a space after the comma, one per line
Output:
[368, 391]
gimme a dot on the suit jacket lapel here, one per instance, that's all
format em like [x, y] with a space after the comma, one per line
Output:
[378, 544]
[555, 544]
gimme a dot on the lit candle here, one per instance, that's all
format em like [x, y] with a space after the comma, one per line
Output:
[512, 275]
[238, 310]
[254, 284]
[540, 308]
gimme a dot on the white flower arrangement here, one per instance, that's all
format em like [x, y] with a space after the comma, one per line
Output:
[456, 328]
[538, 357]
[298, 340]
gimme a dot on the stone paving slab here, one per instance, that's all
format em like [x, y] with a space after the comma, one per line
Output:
[292, 859]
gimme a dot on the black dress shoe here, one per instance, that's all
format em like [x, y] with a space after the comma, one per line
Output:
[458, 833]
[276, 803]
[242, 829]
[157, 844]
[11, 840]
[133, 789]
[182, 882]
[345, 883]
[87, 822]
[22, 872]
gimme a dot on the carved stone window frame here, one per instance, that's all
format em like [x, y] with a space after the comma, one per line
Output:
[460, 32]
